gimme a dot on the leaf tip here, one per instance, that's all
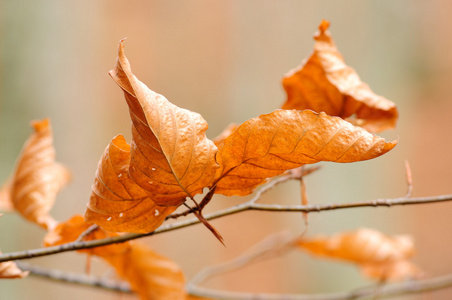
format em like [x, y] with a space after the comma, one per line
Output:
[324, 25]
[40, 125]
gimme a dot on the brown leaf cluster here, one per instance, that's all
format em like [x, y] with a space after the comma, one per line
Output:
[170, 159]
[379, 256]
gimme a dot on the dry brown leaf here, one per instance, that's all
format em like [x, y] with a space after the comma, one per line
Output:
[325, 83]
[150, 275]
[117, 203]
[171, 158]
[10, 270]
[379, 256]
[37, 178]
[268, 145]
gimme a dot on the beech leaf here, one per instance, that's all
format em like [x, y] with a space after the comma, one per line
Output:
[116, 202]
[9, 270]
[169, 146]
[325, 83]
[270, 144]
[37, 178]
[150, 275]
[379, 256]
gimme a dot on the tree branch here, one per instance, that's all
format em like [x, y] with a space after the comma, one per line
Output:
[249, 205]
[388, 290]
[81, 279]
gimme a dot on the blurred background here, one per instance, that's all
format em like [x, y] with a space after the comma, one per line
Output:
[225, 60]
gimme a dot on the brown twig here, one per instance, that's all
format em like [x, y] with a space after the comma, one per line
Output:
[388, 290]
[250, 205]
[80, 279]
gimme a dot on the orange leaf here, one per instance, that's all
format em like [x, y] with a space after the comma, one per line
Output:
[10, 270]
[379, 256]
[151, 275]
[268, 145]
[169, 146]
[37, 178]
[325, 83]
[117, 203]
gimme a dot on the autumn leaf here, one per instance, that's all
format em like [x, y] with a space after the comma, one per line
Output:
[379, 256]
[152, 276]
[116, 202]
[9, 270]
[325, 83]
[37, 178]
[171, 158]
[270, 144]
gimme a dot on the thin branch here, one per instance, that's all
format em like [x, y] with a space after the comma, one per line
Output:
[271, 246]
[81, 279]
[388, 290]
[385, 291]
[250, 205]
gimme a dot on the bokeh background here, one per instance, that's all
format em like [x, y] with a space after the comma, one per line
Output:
[225, 60]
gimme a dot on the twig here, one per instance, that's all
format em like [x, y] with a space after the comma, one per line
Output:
[250, 205]
[409, 179]
[270, 246]
[389, 290]
[86, 232]
[81, 279]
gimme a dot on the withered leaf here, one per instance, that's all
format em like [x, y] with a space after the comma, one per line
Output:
[37, 177]
[325, 83]
[270, 144]
[150, 275]
[10, 270]
[116, 202]
[379, 256]
[169, 146]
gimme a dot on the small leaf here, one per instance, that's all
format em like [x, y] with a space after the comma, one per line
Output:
[169, 146]
[116, 202]
[10, 270]
[37, 178]
[270, 144]
[325, 83]
[150, 275]
[379, 256]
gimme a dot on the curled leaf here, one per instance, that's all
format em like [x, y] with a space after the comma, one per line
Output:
[37, 178]
[150, 275]
[10, 270]
[117, 203]
[270, 144]
[169, 146]
[379, 256]
[325, 83]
